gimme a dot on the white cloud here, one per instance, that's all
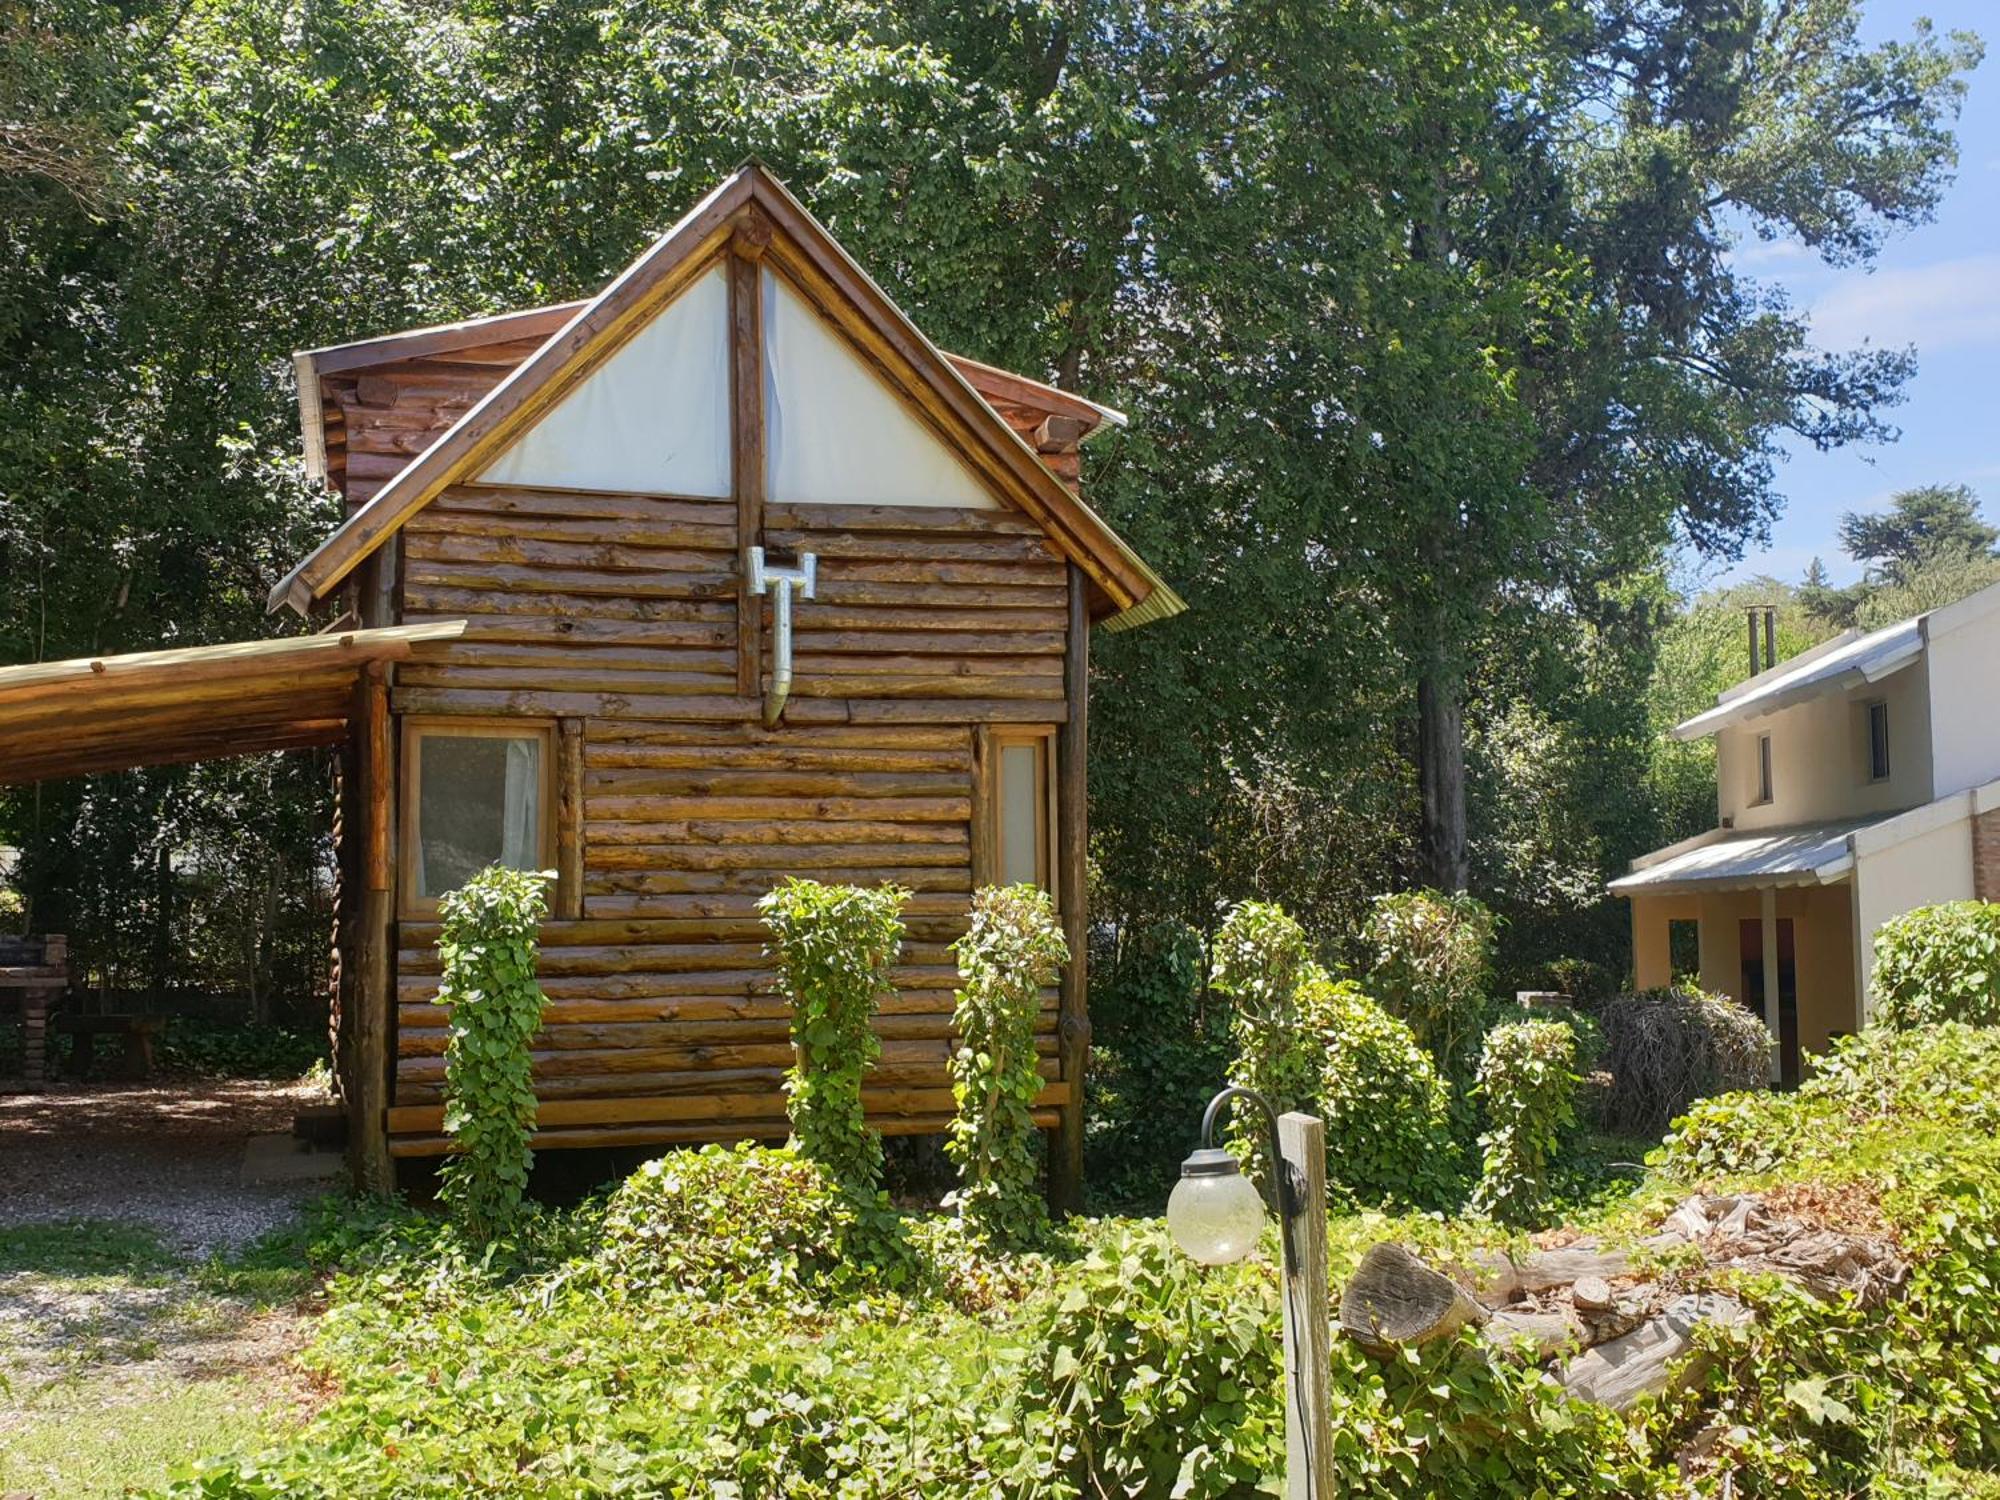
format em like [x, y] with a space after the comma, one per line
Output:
[1951, 304]
[1753, 254]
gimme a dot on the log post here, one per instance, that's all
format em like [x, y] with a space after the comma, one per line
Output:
[746, 428]
[372, 732]
[1072, 838]
[569, 822]
[1308, 1337]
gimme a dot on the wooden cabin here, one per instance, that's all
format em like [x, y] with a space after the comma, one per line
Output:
[754, 582]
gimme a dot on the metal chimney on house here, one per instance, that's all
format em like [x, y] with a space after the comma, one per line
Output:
[1767, 616]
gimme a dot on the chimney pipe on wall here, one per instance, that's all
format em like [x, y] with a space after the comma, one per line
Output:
[1770, 636]
[1752, 613]
[1764, 658]
[766, 577]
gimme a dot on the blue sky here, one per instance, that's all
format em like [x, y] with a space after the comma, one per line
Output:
[1936, 287]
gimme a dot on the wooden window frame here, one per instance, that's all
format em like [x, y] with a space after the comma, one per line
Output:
[1869, 712]
[988, 812]
[469, 726]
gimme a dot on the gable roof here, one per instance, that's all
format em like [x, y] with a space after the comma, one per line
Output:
[1849, 660]
[589, 332]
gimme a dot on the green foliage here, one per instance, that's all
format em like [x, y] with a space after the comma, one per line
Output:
[1159, 1052]
[1386, 1111]
[1527, 1083]
[1013, 949]
[1260, 963]
[487, 946]
[834, 946]
[1432, 963]
[1150, 1376]
[1939, 963]
[1666, 1048]
[741, 1223]
[238, 1049]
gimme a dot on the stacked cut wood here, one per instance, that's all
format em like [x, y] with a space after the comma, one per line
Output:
[1613, 1331]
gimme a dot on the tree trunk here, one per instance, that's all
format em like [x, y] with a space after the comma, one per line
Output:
[1395, 1299]
[1441, 777]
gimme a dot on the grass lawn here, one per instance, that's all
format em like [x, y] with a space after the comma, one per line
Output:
[119, 1360]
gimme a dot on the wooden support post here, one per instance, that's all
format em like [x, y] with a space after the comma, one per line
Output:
[746, 427]
[372, 995]
[569, 822]
[1072, 882]
[1768, 922]
[1308, 1335]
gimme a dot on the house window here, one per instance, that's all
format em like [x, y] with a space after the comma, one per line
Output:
[1020, 818]
[1878, 742]
[1763, 768]
[476, 793]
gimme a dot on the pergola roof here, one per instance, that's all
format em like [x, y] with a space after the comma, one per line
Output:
[151, 708]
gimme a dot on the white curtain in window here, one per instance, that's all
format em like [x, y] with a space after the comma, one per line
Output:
[520, 849]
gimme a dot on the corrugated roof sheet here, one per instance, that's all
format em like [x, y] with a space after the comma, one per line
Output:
[1850, 660]
[1807, 855]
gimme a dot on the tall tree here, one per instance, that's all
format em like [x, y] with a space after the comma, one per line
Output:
[1935, 523]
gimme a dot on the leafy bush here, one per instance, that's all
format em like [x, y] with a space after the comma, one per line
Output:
[1151, 1376]
[1939, 963]
[238, 1049]
[486, 944]
[1012, 949]
[1527, 1082]
[724, 1223]
[1432, 964]
[835, 946]
[1159, 1051]
[1260, 963]
[1667, 1048]
[1387, 1113]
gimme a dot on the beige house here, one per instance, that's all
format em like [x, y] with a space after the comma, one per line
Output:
[1854, 782]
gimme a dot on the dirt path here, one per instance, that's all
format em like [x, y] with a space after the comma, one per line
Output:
[134, 1333]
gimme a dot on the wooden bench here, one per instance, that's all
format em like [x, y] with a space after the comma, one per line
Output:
[136, 1032]
[37, 969]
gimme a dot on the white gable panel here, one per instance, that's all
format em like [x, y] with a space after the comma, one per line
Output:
[834, 433]
[652, 419]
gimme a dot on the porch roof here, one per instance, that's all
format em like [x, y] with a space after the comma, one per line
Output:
[1815, 854]
[150, 708]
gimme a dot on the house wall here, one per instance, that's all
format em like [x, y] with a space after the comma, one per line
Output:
[1819, 757]
[1964, 667]
[620, 611]
[1930, 867]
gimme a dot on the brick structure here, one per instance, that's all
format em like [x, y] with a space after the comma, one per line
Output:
[1986, 855]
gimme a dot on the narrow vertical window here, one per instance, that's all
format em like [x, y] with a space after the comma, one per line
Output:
[1019, 823]
[1878, 742]
[1763, 768]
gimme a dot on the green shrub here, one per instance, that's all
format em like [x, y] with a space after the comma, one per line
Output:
[1150, 1376]
[1387, 1113]
[1527, 1082]
[1939, 963]
[835, 946]
[486, 946]
[1432, 965]
[1260, 963]
[1667, 1048]
[724, 1223]
[1159, 1051]
[1013, 948]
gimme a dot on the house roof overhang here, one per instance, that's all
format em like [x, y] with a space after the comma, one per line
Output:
[149, 708]
[1816, 854]
[1846, 662]
[1125, 589]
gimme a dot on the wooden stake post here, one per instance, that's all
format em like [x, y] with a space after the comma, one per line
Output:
[1308, 1334]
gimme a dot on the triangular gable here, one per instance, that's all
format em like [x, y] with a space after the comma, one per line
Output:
[834, 433]
[837, 289]
[652, 419]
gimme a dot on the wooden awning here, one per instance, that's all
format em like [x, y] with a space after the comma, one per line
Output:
[152, 708]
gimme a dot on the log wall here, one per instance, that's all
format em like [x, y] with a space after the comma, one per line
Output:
[617, 615]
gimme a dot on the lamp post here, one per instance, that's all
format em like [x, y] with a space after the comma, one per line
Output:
[1216, 1216]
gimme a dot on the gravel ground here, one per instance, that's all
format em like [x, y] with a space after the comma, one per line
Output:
[164, 1155]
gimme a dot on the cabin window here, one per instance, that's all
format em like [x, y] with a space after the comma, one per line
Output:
[1878, 742]
[1020, 821]
[475, 794]
[1763, 768]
